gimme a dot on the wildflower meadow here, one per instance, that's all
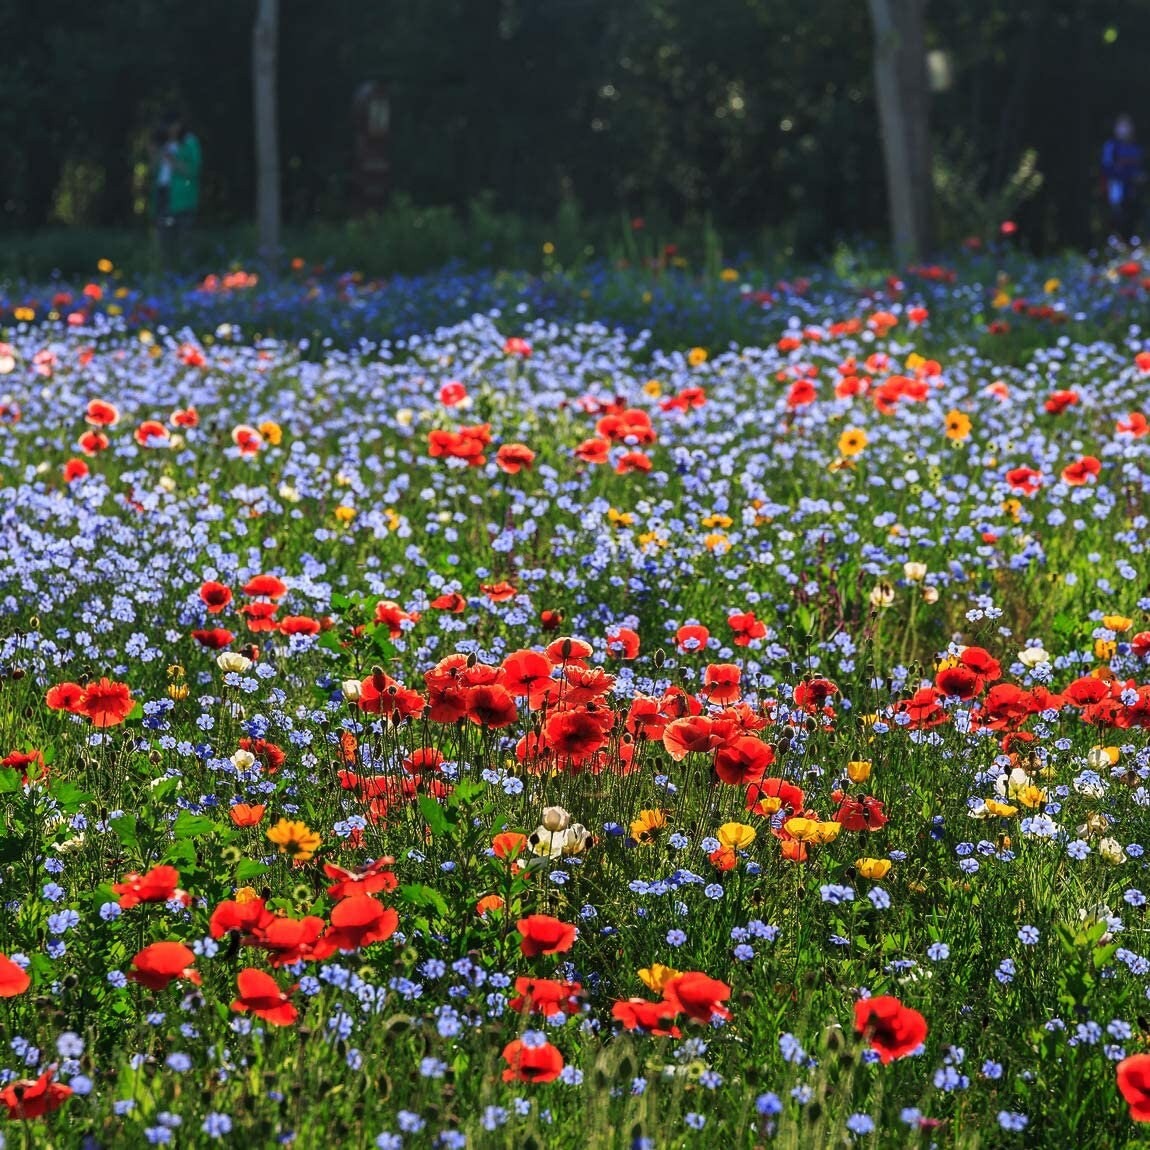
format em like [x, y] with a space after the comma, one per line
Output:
[603, 708]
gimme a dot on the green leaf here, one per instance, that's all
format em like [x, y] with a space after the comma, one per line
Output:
[435, 815]
[10, 781]
[383, 644]
[419, 895]
[248, 869]
[125, 828]
[189, 826]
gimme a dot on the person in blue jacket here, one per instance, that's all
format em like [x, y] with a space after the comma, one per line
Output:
[1122, 177]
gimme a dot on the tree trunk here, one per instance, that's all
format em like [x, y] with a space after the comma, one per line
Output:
[902, 93]
[265, 36]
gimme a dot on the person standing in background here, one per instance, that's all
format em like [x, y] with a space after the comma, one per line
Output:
[1122, 176]
[176, 191]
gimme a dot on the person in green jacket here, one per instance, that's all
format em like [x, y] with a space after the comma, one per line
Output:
[176, 187]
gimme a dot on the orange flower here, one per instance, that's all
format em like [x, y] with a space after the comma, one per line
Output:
[246, 815]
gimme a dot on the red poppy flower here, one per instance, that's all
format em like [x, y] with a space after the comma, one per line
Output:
[531, 1063]
[215, 596]
[357, 921]
[743, 760]
[423, 761]
[746, 628]
[106, 703]
[546, 996]
[721, 682]
[812, 694]
[75, 469]
[1135, 424]
[265, 587]
[13, 979]
[150, 433]
[215, 638]
[1134, 1085]
[453, 602]
[369, 879]
[33, 1098]
[578, 734]
[656, 1018]
[543, 934]
[498, 592]
[865, 814]
[567, 651]
[517, 346]
[160, 884]
[287, 940]
[526, 673]
[1081, 471]
[1059, 401]
[93, 442]
[585, 684]
[393, 616]
[298, 625]
[65, 697]
[622, 642]
[593, 451]
[22, 760]
[633, 461]
[186, 417]
[270, 755]
[514, 457]
[260, 994]
[452, 393]
[693, 735]
[491, 706]
[101, 414]
[697, 996]
[260, 616]
[156, 966]
[772, 795]
[692, 637]
[890, 1029]
[1024, 479]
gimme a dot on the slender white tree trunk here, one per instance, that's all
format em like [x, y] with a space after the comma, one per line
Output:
[265, 39]
[902, 94]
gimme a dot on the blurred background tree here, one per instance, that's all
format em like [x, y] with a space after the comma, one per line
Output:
[760, 114]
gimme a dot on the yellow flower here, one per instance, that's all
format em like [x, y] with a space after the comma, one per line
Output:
[1030, 796]
[858, 771]
[247, 894]
[1117, 623]
[827, 832]
[345, 514]
[1051, 286]
[957, 426]
[1001, 300]
[723, 521]
[24, 314]
[656, 976]
[104, 266]
[1013, 508]
[548, 248]
[653, 388]
[852, 441]
[1100, 757]
[803, 829]
[646, 825]
[295, 839]
[1104, 648]
[716, 541]
[729, 275]
[737, 836]
[697, 356]
[872, 868]
[619, 518]
[272, 432]
[1000, 809]
[178, 691]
